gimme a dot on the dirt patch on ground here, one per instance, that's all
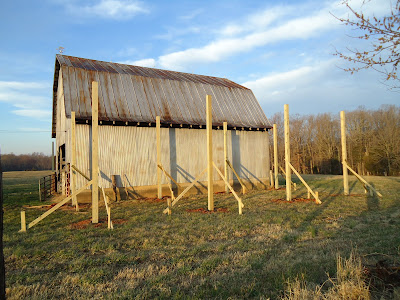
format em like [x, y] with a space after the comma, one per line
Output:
[383, 276]
[294, 200]
[205, 211]
[102, 223]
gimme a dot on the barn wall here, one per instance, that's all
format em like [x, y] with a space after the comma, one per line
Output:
[132, 151]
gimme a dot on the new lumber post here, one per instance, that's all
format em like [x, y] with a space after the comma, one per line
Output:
[275, 132]
[158, 136]
[209, 154]
[344, 153]
[73, 160]
[225, 125]
[287, 154]
[95, 152]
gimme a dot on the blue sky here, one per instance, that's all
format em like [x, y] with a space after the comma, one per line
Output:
[282, 50]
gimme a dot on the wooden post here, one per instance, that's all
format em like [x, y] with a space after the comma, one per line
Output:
[287, 154]
[73, 160]
[114, 187]
[40, 192]
[225, 124]
[209, 154]
[95, 152]
[275, 132]
[52, 156]
[2, 264]
[344, 153]
[271, 179]
[23, 221]
[158, 134]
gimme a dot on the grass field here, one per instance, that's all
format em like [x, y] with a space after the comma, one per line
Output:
[195, 255]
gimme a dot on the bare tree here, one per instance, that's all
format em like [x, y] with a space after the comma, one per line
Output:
[383, 38]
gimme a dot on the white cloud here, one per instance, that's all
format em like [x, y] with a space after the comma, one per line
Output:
[270, 26]
[28, 98]
[34, 113]
[147, 62]
[107, 9]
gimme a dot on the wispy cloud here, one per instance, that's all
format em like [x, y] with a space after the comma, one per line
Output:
[148, 62]
[273, 25]
[28, 98]
[193, 14]
[107, 9]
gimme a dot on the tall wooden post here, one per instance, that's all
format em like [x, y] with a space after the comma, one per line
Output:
[209, 154]
[95, 152]
[73, 159]
[287, 155]
[52, 156]
[2, 264]
[275, 132]
[344, 153]
[226, 155]
[158, 134]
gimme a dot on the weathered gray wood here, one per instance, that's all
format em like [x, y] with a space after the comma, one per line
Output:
[158, 141]
[114, 187]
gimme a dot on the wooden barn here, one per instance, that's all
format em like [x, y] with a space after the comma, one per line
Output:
[130, 98]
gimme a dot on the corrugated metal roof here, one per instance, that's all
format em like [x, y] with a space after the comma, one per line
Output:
[138, 94]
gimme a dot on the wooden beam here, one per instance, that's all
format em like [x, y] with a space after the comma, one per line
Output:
[80, 172]
[108, 209]
[344, 153]
[186, 190]
[244, 189]
[158, 137]
[168, 175]
[271, 179]
[23, 221]
[58, 205]
[275, 132]
[287, 154]
[52, 156]
[210, 154]
[362, 179]
[225, 125]
[240, 203]
[95, 152]
[126, 186]
[73, 161]
[305, 184]
[40, 191]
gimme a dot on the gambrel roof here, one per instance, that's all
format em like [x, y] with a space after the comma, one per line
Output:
[138, 94]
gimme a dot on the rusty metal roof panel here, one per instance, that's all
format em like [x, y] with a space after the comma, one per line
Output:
[139, 94]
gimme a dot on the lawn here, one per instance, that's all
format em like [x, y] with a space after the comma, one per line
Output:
[195, 255]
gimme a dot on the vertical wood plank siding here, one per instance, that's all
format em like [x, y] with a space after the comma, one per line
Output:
[132, 151]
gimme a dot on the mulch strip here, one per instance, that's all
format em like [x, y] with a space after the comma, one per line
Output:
[294, 200]
[102, 223]
[205, 211]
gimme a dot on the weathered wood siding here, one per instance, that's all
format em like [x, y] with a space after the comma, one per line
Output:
[132, 151]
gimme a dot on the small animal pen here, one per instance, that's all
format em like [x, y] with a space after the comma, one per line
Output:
[130, 99]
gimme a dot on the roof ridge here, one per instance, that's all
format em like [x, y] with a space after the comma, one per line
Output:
[227, 81]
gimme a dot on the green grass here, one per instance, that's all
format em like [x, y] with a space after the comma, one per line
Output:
[193, 255]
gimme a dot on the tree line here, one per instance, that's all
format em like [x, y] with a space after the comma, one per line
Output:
[26, 162]
[373, 141]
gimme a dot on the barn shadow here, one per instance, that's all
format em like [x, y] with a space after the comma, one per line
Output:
[373, 202]
[172, 156]
[236, 162]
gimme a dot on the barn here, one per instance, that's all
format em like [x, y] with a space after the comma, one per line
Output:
[130, 98]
